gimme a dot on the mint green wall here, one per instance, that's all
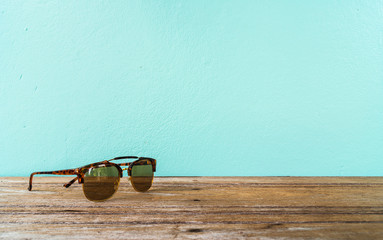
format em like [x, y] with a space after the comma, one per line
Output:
[206, 87]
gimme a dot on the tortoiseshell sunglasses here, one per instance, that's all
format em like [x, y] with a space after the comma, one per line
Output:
[100, 180]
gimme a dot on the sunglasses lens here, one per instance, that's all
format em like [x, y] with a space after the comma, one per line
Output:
[142, 175]
[101, 182]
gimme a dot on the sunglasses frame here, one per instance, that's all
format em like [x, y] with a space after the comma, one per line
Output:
[80, 172]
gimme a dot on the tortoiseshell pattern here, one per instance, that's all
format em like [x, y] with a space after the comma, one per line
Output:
[80, 172]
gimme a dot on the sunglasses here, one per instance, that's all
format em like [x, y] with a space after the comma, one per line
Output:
[100, 180]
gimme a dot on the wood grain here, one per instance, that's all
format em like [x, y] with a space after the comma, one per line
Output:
[196, 208]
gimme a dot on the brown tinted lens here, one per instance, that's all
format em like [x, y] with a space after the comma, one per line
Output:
[142, 176]
[101, 182]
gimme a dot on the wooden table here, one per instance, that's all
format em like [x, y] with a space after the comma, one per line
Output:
[196, 208]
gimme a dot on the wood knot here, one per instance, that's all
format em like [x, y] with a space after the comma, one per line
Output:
[195, 230]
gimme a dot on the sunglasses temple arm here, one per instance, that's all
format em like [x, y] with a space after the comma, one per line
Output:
[71, 182]
[60, 172]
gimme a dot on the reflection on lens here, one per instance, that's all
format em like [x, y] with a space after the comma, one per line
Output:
[142, 176]
[101, 182]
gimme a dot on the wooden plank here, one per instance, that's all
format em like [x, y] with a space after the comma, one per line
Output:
[197, 207]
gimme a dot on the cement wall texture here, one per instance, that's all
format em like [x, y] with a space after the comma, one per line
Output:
[233, 88]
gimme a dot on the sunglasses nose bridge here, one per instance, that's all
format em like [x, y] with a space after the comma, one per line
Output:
[125, 169]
